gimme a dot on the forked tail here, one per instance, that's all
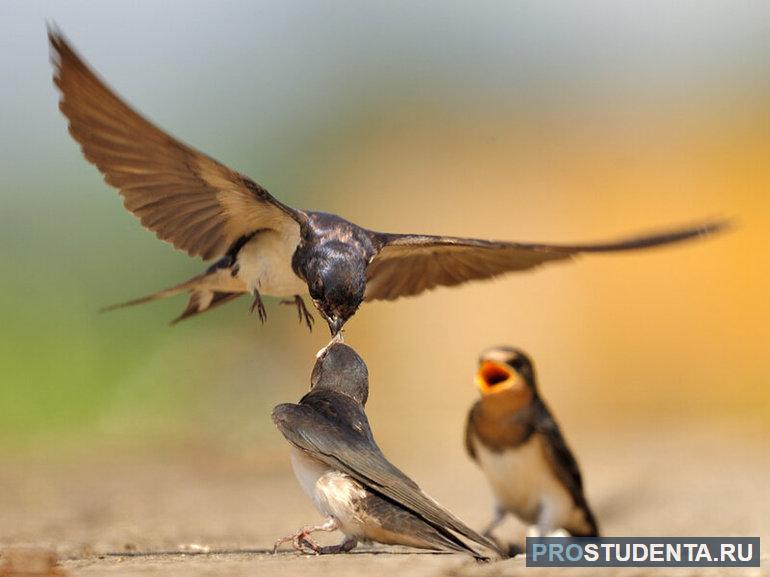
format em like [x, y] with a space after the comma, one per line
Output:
[207, 291]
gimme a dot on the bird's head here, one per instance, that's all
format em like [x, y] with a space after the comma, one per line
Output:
[336, 280]
[339, 368]
[505, 369]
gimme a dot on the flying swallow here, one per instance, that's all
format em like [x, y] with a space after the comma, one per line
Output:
[259, 245]
[349, 480]
[514, 439]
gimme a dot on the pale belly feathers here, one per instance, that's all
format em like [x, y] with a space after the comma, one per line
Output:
[333, 493]
[524, 484]
[264, 264]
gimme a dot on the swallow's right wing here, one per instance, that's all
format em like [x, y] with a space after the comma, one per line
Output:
[351, 449]
[184, 196]
[408, 264]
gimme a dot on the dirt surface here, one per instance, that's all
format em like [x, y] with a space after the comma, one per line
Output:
[196, 513]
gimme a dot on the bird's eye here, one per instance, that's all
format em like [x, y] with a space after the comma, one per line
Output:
[518, 363]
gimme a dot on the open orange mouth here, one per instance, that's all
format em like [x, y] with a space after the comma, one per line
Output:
[491, 375]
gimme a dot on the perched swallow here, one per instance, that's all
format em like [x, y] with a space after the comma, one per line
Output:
[349, 480]
[513, 437]
[260, 245]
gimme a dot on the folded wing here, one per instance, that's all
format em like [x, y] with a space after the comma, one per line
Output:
[360, 458]
[563, 464]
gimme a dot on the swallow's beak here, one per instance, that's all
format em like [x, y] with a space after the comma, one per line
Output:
[493, 376]
[335, 326]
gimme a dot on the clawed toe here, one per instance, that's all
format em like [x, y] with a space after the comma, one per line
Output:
[300, 541]
[280, 542]
[306, 541]
[259, 306]
[304, 544]
[308, 318]
[302, 313]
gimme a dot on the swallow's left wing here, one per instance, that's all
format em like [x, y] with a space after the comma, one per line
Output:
[408, 264]
[351, 449]
[184, 196]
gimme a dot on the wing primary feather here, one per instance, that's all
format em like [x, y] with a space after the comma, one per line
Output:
[361, 459]
[184, 196]
[409, 264]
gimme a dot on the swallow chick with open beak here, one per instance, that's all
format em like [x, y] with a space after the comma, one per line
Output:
[261, 246]
[514, 439]
[348, 479]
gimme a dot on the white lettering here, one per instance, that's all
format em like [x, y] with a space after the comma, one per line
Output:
[703, 553]
[750, 552]
[674, 552]
[728, 550]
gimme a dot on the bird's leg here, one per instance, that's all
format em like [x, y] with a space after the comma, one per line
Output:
[496, 520]
[346, 546]
[302, 312]
[259, 306]
[301, 539]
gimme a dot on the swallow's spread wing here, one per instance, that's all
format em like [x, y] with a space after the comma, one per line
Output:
[349, 447]
[184, 196]
[563, 462]
[409, 264]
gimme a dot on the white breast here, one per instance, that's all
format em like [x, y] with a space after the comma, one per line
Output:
[333, 493]
[264, 263]
[524, 484]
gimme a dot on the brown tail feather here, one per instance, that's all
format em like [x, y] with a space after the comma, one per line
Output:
[207, 290]
[193, 305]
[169, 292]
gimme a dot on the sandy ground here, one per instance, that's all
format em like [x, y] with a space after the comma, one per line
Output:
[196, 513]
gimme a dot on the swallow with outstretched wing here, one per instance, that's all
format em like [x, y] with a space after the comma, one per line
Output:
[260, 246]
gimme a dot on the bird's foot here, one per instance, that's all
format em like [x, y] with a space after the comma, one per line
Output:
[259, 306]
[302, 312]
[345, 547]
[301, 540]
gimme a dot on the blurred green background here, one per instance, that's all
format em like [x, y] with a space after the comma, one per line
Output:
[529, 120]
